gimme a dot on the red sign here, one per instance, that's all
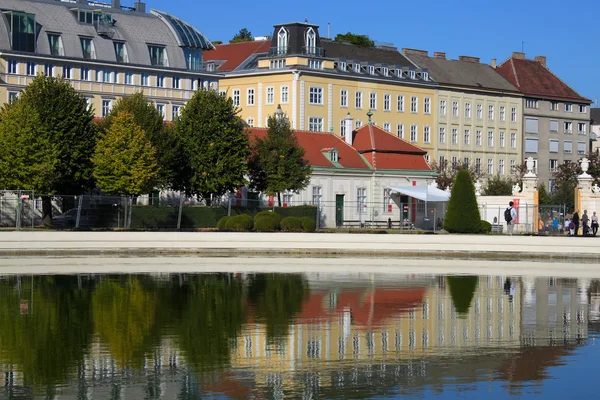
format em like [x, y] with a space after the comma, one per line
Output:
[414, 183]
[24, 196]
[271, 200]
[285, 204]
[516, 206]
[238, 197]
[389, 208]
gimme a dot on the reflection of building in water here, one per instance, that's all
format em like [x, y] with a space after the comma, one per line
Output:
[340, 327]
[554, 311]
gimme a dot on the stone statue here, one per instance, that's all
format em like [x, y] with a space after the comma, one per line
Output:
[516, 189]
[529, 165]
[595, 188]
[585, 165]
[478, 188]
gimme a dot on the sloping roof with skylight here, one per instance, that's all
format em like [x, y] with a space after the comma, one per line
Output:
[188, 35]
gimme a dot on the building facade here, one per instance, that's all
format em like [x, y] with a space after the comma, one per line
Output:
[318, 82]
[556, 118]
[478, 115]
[106, 51]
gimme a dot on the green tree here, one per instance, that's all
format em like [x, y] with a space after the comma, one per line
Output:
[162, 136]
[462, 290]
[447, 172]
[216, 42]
[58, 119]
[125, 161]
[244, 35]
[565, 183]
[543, 196]
[215, 145]
[357, 40]
[498, 185]
[277, 163]
[463, 215]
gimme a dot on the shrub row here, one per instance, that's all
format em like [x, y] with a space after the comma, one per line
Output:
[266, 221]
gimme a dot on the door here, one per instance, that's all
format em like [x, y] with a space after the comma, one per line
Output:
[339, 210]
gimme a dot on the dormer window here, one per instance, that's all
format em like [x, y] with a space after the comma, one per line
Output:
[384, 71]
[311, 41]
[342, 65]
[315, 64]
[22, 30]
[425, 76]
[56, 44]
[158, 56]
[399, 73]
[412, 74]
[282, 41]
[333, 155]
[87, 48]
[357, 68]
[371, 70]
[121, 52]
[277, 64]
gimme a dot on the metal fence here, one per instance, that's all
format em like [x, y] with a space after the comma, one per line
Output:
[552, 218]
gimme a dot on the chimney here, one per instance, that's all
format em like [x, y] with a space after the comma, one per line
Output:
[439, 54]
[415, 52]
[140, 6]
[469, 59]
[518, 56]
[116, 4]
[541, 60]
[493, 63]
[348, 128]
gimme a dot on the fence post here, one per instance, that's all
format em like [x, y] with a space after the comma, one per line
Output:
[499, 220]
[181, 211]
[130, 212]
[78, 212]
[527, 217]
[228, 208]
[318, 216]
[18, 215]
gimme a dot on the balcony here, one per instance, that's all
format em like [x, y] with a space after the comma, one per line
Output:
[287, 50]
[313, 51]
[280, 51]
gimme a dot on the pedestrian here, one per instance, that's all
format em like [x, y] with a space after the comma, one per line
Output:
[594, 223]
[575, 221]
[584, 223]
[555, 224]
[510, 215]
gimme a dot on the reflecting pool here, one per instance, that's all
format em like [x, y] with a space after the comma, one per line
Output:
[312, 335]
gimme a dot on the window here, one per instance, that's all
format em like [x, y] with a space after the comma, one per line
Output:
[581, 128]
[175, 110]
[371, 70]
[121, 52]
[490, 166]
[553, 126]
[580, 147]
[513, 114]
[315, 95]
[311, 41]
[502, 139]
[400, 103]
[317, 195]
[400, 131]
[582, 108]
[568, 146]
[342, 66]
[427, 105]
[343, 127]
[442, 135]
[106, 106]
[277, 64]
[145, 80]
[282, 41]
[12, 96]
[236, 97]
[513, 140]
[426, 134]
[85, 74]
[315, 64]
[479, 111]
[554, 163]
[384, 71]
[87, 48]
[361, 198]
[357, 123]
[490, 139]
[250, 97]
[553, 146]
[513, 166]
[67, 71]
[160, 81]
[554, 106]
[531, 145]
[530, 103]
[161, 109]
[387, 99]
[478, 135]
[467, 138]
[357, 68]
[413, 133]
[158, 56]
[193, 59]
[270, 95]
[454, 163]
[568, 127]
[343, 98]
[315, 124]
[442, 160]
[455, 108]
[491, 112]
[48, 69]
[454, 136]
[501, 167]
[288, 198]
[467, 110]
[531, 125]
[358, 100]
[387, 127]
[56, 44]
[285, 94]
[466, 162]
[568, 107]
[12, 66]
[23, 30]
[250, 122]
[30, 68]
[478, 165]
[502, 113]
[373, 101]
[443, 108]
[414, 104]
[387, 200]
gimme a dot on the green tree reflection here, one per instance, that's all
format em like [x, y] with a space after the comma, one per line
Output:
[277, 298]
[462, 290]
[45, 328]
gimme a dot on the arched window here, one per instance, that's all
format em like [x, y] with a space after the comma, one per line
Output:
[311, 41]
[282, 41]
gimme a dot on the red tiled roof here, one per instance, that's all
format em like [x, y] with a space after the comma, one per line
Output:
[534, 79]
[235, 53]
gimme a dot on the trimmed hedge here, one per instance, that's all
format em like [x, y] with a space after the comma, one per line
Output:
[291, 224]
[192, 217]
[266, 221]
[462, 215]
[240, 223]
[486, 227]
[309, 225]
[222, 224]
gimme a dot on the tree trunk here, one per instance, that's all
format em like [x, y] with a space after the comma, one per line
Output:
[46, 211]
[279, 198]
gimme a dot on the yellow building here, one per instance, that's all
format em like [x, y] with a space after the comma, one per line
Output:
[105, 50]
[318, 82]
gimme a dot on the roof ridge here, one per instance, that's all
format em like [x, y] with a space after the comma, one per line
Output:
[370, 125]
[564, 83]
[512, 64]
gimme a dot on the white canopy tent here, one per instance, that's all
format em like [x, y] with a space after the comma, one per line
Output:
[423, 192]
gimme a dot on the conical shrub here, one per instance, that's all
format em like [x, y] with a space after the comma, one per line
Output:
[462, 215]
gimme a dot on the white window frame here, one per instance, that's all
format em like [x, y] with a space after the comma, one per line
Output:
[373, 101]
[106, 106]
[426, 134]
[502, 113]
[358, 100]
[467, 110]
[387, 102]
[501, 167]
[400, 131]
[270, 97]
[12, 67]
[250, 97]
[161, 109]
[427, 105]
[442, 108]
[414, 133]
[176, 82]
[284, 94]
[531, 103]
[467, 137]
[568, 127]
[442, 135]
[361, 198]
[532, 140]
[582, 108]
[315, 95]
[235, 97]
[502, 138]
[317, 195]
[490, 112]
[513, 140]
[570, 143]
[490, 140]
[315, 124]
[160, 81]
[30, 68]
[568, 107]
[478, 137]
[454, 135]
[250, 122]
[145, 79]
[400, 104]
[414, 104]
[479, 111]
[387, 200]
[11, 96]
[553, 146]
[175, 111]
[579, 126]
[387, 126]
[455, 109]
[344, 98]
[513, 114]
[490, 166]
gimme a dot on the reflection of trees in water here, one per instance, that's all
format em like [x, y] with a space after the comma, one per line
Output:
[462, 290]
[277, 298]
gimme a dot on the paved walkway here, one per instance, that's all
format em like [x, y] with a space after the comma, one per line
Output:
[317, 244]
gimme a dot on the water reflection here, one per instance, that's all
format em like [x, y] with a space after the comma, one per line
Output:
[188, 336]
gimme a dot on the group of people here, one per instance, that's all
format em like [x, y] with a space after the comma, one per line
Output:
[585, 221]
[588, 225]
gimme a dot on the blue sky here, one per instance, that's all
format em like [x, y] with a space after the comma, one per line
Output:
[565, 32]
